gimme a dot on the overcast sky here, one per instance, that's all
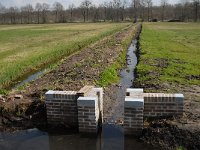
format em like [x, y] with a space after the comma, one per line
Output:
[20, 3]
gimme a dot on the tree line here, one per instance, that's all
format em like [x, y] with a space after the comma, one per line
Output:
[113, 11]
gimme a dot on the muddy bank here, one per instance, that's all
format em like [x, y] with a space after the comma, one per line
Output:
[22, 115]
[169, 136]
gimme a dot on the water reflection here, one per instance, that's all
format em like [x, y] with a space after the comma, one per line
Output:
[112, 138]
[24, 140]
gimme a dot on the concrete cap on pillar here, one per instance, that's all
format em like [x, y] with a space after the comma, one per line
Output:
[134, 90]
[49, 94]
[179, 97]
[134, 102]
[87, 101]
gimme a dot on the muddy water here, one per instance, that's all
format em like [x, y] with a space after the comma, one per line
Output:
[127, 74]
[111, 137]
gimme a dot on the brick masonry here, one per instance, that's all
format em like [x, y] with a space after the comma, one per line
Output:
[160, 104]
[88, 114]
[133, 115]
[62, 108]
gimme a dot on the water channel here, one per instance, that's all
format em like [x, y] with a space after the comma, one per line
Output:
[110, 138]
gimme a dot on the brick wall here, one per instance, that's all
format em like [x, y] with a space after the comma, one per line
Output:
[159, 104]
[138, 105]
[62, 108]
[75, 109]
[133, 115]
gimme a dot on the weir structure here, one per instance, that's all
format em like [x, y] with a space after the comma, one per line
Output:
[83, 109]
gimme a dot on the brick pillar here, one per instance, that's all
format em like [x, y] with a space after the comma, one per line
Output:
[88, 114]
[133, 115]
[62, 108]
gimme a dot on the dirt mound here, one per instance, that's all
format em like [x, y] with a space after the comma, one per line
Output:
[170, 136]
[23, 117]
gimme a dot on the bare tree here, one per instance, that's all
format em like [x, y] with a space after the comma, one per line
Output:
[105, 10]
[27, 13]
[38, 8]
[58, 7]
[135, 4]
[13, 14]
[123, 9]
[142, 6]
[116, 6]
[29, 8]
[163, 6]
[45, 8]
[85, 5]
[71, 8]
[149, 7]
[196, 9]
[3, 11]
[183, 9]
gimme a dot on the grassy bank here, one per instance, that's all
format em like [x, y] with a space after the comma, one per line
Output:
[27, 48]
[169, 54]
[111, 74]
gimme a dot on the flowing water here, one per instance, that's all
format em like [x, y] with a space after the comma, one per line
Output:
[111, 137]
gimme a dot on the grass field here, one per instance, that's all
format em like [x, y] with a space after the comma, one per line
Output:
[170, 53]
[27, 48]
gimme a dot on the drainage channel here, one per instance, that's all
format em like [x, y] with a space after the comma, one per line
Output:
[29, 79]
[111, 137]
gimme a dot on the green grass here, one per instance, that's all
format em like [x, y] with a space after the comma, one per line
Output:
[111, 74]
[170, 53]
[28, 48]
